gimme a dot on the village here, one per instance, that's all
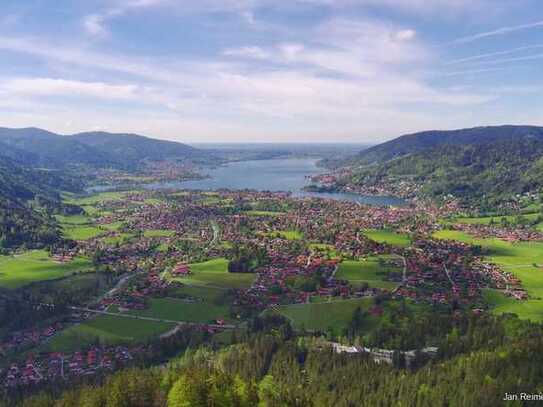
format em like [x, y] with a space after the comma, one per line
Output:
[155, 244]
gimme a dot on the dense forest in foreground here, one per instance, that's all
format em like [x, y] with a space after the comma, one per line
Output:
[480, 359]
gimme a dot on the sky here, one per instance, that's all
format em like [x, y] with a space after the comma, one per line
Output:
[270, 70]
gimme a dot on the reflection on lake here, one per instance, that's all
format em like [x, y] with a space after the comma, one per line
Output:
[271, 175]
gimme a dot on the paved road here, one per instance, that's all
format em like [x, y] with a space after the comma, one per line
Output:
[117, 314]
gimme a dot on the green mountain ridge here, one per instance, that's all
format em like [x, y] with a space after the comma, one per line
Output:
[40, 148]
[484, 164]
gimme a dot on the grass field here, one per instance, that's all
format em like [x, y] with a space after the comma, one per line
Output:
[263, 213]
[73, 220]
[366, 271]
[19, 270]
[106, 330]
[388, 236]
[323, 315]
[81, 232]
[323, 248]
[202, 293]
[179, 310]
[286, 234]
[517, 258]
[96, 198]
[214, 273]
[485, 220]
[158, 233]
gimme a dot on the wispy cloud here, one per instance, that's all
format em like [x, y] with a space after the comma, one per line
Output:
[493, 54]
[498, 32]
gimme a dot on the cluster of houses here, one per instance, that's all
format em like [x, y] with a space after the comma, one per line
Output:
[28, 338]
[52, 366]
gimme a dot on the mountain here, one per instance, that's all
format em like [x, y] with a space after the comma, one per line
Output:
[427, 140]
[133, 147]
[483, 164]
[40, 148]
[27, 199]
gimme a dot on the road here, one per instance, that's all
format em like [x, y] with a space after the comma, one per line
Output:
[117, 314]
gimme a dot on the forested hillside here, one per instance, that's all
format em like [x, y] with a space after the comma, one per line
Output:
[40, 148]
[475, 165]
[428, 140]
[478, 364]
[28, 197]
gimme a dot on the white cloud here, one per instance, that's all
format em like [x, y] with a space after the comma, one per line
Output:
[248, 52]
[405, 35]
[94, 25]
[63, 87]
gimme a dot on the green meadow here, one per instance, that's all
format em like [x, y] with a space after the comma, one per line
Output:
[178, 310]
[388, 236]
[36, 265]
[486, 220]
[214, 273]
[158, 233]
[286, 234]
[106, 330]
[368, 271]
[523, 259]
[323, 315]
[263, 213]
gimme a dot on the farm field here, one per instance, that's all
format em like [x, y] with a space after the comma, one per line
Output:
[106, 330]
[368, 271]
[36, 265]
[523, 259]
[81, 232]
[158, 233]
[204, 294]
[214, 273]
[179, 310]
[486, 220]
[263, 213]
[286, 234]
[388, 236]
[96, 198]
[323, 315]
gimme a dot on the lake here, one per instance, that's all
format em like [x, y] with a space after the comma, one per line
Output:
[289, 174]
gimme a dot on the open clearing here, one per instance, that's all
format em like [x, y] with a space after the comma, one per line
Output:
[106, 330]
[486, 220]
[367, 271]
[178, 310]
[286, 234]
[36, 265]
[388, 236]
[523, 259]
[214, 273]
[323, 315]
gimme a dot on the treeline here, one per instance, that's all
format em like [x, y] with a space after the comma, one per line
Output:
[273, 367]
[245, 258]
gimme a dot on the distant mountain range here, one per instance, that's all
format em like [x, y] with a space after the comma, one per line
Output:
[40, 148]
[478, 164]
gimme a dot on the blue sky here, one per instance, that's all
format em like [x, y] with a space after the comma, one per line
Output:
[270, 70]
